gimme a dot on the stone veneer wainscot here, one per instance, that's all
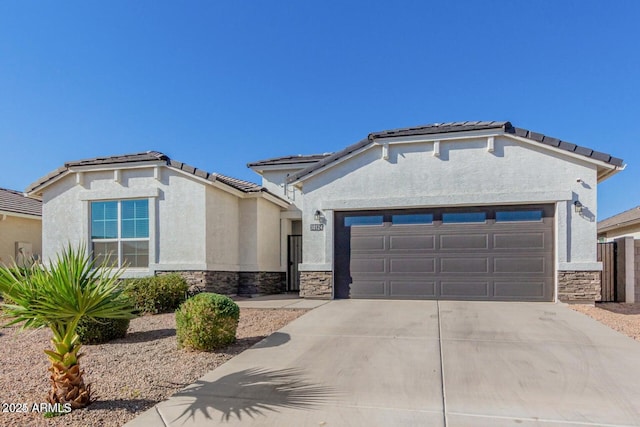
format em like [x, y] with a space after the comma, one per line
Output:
[233, 282]
[579, 286]
[316, 284]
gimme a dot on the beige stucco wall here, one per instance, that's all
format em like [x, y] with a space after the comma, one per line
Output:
[223, 230]
[631, 231]
[17, 229]
[268, 236]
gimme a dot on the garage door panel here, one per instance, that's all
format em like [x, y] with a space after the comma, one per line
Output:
[412, 288]
[526, 241]
[493, 260]
[412, 265]
[519, 265]
[412, 242]
[519, 288]
[464, 265]
[367, 243]
[364, 288]
[464, 241]
[368, 265]
[465, 289]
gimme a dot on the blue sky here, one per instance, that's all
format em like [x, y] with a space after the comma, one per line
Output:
[219, 84]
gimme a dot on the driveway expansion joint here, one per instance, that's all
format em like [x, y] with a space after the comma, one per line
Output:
[444, 394]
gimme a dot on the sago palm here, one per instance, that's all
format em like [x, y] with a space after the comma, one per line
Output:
[58, 296]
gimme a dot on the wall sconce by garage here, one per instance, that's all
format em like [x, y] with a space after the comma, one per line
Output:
[577, 206]
[318, 215]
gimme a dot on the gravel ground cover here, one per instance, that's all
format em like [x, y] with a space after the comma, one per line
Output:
[128, 375]
[623, 318]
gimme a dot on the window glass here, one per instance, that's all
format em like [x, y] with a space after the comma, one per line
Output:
[534, 215]
[120, 233]
[412, 219]
[363, 220]
[105, 251]
[135, 254]
[135, 219]
[460, 217]
[104, 220]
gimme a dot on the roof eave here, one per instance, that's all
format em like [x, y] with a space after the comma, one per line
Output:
[619, 225]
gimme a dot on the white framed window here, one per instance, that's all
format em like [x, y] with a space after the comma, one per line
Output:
[120, 232]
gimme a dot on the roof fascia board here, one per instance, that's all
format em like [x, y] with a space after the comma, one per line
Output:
[332, 164]
[20, 215]
[288, 166]
[220, 185]
[36, 192]
[600, 163]
[269, 197]
[112, 166]
[436, 137]
[619, 225]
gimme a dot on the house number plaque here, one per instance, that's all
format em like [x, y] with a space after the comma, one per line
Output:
[317, 227]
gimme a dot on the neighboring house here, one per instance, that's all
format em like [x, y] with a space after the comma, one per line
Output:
[623, 224]
[20, 228]
[465, 210]
[155, 215]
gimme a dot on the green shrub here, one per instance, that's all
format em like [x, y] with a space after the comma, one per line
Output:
[104, 330]
[156, 294]
[206, 322]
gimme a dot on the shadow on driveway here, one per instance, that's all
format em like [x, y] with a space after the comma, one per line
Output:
[252, 393]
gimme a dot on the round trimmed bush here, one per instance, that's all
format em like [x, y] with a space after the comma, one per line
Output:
[101, 330]
[207, 322]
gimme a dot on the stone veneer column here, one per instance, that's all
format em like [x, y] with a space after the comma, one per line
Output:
[261, 282]
[579, 286]
[316, 284]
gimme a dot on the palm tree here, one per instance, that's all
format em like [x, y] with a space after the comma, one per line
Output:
[58, 296]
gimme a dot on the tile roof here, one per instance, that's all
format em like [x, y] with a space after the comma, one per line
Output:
[150, 156]
[290, 160]
[452, 127]
[17, 202]
[620, 220]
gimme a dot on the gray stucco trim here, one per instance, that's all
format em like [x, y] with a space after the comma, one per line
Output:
[129, 193]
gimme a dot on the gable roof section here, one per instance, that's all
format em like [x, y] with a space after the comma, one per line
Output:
[452, 127]
[149, 156]
[624, 219]
[15, 202]
[289, 160]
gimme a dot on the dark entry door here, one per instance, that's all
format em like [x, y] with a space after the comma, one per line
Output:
[294, 254]
[485, 253]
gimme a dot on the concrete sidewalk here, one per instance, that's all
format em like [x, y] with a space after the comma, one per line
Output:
[397, 363]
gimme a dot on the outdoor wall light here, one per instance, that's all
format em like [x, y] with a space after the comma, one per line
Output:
[317, 215]
[577, 206]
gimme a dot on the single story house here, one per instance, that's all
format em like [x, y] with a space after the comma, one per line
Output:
[154, 214]
[464, 210]
[623, 224]
[20, 228]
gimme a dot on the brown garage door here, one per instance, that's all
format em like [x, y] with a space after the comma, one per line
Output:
[497, 253]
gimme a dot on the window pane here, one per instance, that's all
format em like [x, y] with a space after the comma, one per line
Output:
[519, 216]
[135, 219]
[459, 217]
[412, 219]
[104, 220]
[105, 251]
[363, 220]
[135, 254]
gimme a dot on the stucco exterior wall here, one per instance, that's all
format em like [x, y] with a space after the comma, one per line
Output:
[630, 231]
[223, 230]
[464, 174]
[16, 229]
[275, 182]
[268, 236]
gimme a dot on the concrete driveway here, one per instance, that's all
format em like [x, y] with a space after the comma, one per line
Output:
[426, 363]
